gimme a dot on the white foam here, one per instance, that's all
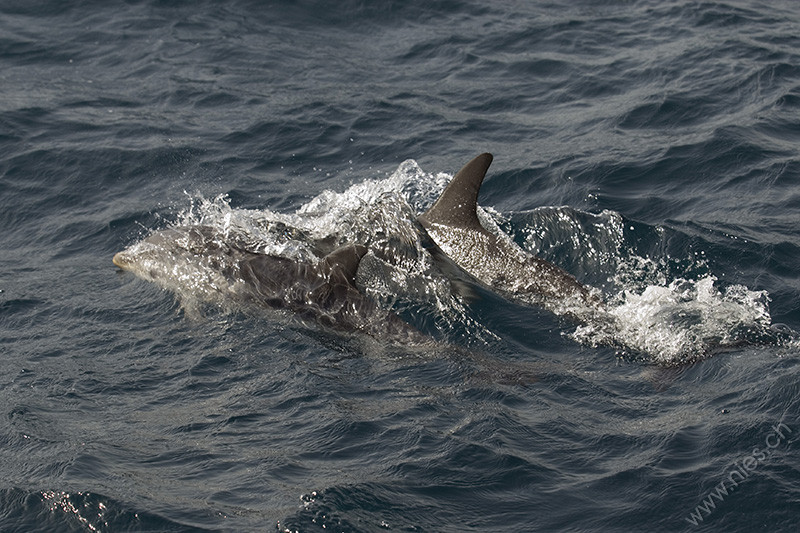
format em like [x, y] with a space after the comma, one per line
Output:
[681, 321]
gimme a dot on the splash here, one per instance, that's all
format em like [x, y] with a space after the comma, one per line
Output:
[398, 273]
[666, 310]
[680, 322]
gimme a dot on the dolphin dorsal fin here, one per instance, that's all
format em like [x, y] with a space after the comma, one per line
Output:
[345, 260]
[458, 204]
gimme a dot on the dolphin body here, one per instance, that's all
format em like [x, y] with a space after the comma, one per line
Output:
[324, 291]
[495, 260]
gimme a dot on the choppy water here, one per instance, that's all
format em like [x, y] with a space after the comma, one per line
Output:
[650, 149]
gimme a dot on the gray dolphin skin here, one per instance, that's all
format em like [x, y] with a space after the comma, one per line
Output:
[495, 260]
[324, 291]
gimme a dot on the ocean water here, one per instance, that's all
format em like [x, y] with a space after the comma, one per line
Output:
[648, 148]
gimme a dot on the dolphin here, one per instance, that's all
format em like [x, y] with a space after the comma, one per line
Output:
[493, 258]
[323, 291]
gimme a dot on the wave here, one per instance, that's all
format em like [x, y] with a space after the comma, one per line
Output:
[59, 510]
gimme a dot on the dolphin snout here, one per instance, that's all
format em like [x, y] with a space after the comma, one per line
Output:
[121, 260]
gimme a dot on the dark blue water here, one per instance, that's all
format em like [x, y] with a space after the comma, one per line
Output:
[649, 148]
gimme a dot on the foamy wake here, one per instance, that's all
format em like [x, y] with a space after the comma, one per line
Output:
[681, 321]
